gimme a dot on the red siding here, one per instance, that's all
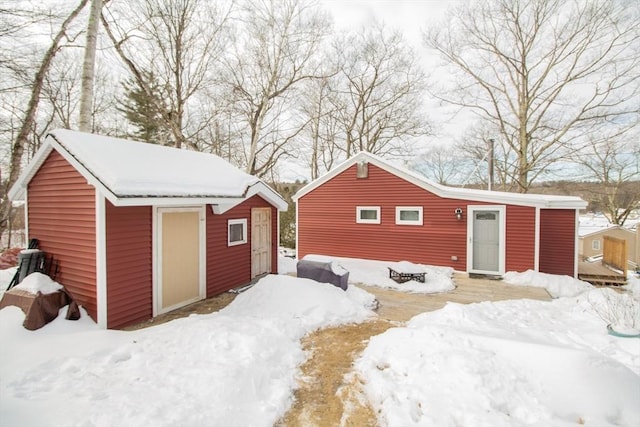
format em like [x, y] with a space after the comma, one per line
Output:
[520, 238]
[61, 215]
[129, 265]
[558, 241]
[327, 221]
[230, 266]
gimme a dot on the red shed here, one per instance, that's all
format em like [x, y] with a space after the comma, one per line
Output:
[368, 208]
[141, 229]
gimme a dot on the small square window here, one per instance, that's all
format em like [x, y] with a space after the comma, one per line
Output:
[368, 214]
[595, 245]
[409, 215]
[237, 232]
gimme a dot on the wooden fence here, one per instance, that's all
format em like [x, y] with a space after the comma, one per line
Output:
[614, 254]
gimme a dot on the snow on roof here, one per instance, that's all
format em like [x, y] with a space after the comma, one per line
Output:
[130, 168]
[594, 223]
[138, 171]
[538, 200]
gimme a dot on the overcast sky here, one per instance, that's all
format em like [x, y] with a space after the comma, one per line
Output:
[410, 16]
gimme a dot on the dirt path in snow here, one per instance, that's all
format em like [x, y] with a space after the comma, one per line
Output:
[323, 398]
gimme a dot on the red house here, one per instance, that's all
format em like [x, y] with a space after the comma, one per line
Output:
[367, 208]
[141, 229]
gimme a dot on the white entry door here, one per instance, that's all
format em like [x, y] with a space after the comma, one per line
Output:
[180, 258]
[260, 241]
[486, 244]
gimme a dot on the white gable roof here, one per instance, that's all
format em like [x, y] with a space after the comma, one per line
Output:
[137, 173]
[534, 200]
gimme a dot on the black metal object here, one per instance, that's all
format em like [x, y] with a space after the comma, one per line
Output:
[405, 277]
[34, 261]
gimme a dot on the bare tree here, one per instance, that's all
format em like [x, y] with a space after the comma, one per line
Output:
[275, 51]
[545, 72]
[177, 41]
[616, 167]
[88, 66]
[26, 125]
[445, 165]
[322, 127]
[379, 92]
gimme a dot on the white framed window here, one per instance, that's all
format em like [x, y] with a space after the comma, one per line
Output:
[409, 215]
[595, 244]
[368, 214]
[236, 232]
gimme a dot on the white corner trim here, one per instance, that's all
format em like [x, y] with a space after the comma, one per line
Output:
[297, 202]
[536, 243]
[156, 259]
[101, 260]
[277, 254]
[26, 217]
[576, 248]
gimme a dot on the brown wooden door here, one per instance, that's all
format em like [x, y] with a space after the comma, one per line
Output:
[260, 241]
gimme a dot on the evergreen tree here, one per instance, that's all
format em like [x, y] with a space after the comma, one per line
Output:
[144, 110]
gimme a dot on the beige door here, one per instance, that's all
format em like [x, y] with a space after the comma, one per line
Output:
[180, 258]
[260, 241]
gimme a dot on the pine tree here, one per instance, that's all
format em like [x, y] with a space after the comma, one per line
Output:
[144, 110]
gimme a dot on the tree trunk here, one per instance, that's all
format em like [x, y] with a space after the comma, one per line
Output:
[88, 67]
[17, 150]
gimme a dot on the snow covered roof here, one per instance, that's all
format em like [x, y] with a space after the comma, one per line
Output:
[535, 200]
[138, 173]
[595, 224]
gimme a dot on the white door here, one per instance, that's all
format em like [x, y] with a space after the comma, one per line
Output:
[180, 257]
[486, 240]
[260, 241]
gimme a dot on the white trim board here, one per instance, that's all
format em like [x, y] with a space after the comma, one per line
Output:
[493, 197]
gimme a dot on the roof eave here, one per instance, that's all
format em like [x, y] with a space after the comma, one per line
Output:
[441, 190]
[18, 189]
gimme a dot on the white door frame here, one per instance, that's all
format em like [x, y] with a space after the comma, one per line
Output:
[157, 256]
[502, 221]
[270, 241]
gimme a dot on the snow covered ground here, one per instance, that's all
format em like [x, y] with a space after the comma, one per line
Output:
[236, 367]
[510, 363]
[376, 273]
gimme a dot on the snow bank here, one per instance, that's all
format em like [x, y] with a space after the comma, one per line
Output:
[286, 265]
[633, 284]
[237, 367]
[508, 363]
[376, 273]
[310, 303]
[557, 286]
[38, 282]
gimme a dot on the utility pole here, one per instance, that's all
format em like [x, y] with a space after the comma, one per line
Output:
[491, 144]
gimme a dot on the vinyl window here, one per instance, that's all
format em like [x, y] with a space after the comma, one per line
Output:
[237, 232]
[409, 215]
[368, 214]
[595, 244]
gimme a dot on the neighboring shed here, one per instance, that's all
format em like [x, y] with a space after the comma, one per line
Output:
[591, 244]
[368, 208]
[141, 229]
